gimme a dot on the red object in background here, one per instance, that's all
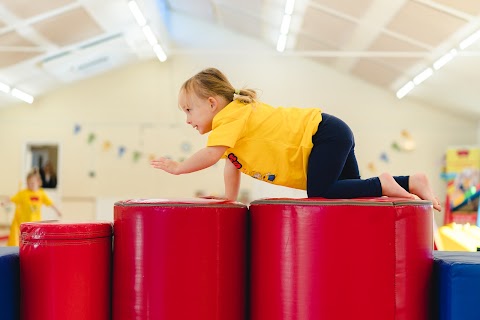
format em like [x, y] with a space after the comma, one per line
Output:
[340, 259]
[65, 270]
[460, 217]
[180, 260]
[447, 217]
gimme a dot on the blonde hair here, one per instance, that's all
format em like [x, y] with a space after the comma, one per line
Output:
[34, 173]
[212, 82]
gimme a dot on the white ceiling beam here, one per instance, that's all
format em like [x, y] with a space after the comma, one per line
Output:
[22, 49]
[379, 14]
[319, 53]
[446, 9]
[25, 29]
[14, 25]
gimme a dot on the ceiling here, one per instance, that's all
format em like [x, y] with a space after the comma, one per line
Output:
[47, 43]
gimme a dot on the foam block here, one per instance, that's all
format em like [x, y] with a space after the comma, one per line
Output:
[65, 270]
[457, 285]
[9, 283]
[340, 259]
[179, 259]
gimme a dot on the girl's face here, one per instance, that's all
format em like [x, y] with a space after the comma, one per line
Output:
[33, 183]
[199, 111]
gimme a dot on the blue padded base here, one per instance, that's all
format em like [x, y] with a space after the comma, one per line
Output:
[9, 283]
[456, 285]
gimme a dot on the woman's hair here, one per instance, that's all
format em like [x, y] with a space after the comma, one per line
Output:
[212, 82]
[48, 167]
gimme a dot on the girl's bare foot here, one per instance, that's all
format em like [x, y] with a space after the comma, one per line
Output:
[419, 185]
[391, 188]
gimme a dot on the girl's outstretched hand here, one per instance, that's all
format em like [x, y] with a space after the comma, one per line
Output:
[166, 164]
[214, 198]
[4, 202]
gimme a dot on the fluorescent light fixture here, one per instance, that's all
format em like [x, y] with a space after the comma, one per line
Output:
[405, 89]
[289, 6]
[445, 59]
[160, 53]
[22, 95]
[282, 42]
[285, 27]
[147, 31]
[424, 75]
[470, 40]
[285, 24]
[4, 88]
[427, 73]
[137, 14]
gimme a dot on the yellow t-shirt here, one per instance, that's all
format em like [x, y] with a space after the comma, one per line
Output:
[267, 143]
[28, 205]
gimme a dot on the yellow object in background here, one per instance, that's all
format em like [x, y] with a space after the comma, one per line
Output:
[458, 159]
[459, 237]
[464, 165]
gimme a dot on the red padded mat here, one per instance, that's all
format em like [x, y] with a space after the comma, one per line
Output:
[340, 259]
[179, 259]
[65, 270]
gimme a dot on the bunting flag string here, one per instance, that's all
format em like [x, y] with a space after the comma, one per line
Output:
[122, 151]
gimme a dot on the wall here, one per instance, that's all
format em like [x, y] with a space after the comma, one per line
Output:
[136, 107]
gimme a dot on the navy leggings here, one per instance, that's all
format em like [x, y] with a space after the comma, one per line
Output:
[332, 166]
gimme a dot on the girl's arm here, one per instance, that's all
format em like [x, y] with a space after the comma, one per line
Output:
[4, 201]
[202, 159]
[231, 177]
[56, 210]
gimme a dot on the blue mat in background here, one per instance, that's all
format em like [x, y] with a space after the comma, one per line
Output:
[456, 285]
[9, 283]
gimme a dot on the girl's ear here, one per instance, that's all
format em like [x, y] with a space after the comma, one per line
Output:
[213, 103]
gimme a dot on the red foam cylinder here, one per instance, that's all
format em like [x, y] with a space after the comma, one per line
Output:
[340, 259]
[65, 270]
[179, 259]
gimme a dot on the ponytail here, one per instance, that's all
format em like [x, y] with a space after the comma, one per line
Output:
[212, 82]
[245, 95]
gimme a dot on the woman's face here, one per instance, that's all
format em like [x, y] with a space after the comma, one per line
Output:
[199, 111]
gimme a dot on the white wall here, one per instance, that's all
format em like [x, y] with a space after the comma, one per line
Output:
[136, 107]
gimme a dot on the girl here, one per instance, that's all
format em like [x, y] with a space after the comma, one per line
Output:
[28, 203]
[300, 148]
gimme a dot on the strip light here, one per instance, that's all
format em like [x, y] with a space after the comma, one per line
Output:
[282, 42]
[424, 75]
[147, 30]
[289, 7]
[405, 89]
[442, 61]
[470, 40]
[22, 95]
[19, 94]
[285, 27]
[160, 53]
[137, 13]
[4, 88]
[445, 59]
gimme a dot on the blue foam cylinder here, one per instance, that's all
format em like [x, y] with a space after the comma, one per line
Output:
[456, 285]
[9, 283]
